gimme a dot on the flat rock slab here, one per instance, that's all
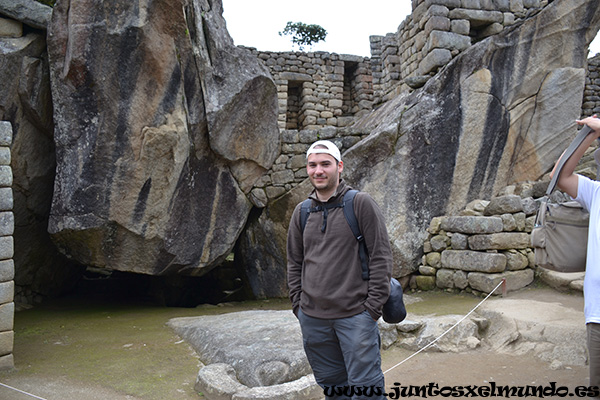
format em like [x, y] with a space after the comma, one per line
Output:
[551, 331]
[263, 347]
[537, 312]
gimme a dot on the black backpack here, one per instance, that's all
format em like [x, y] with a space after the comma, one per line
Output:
[393, 310]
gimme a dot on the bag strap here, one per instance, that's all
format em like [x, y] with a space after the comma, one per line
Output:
[540, 217]
[568, 153]
[348, 207]
[351, 218]
[304, 211]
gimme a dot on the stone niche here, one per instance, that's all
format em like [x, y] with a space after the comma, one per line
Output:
[319, 89]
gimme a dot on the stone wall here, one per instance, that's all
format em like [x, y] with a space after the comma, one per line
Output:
[433, 34]
[489, 241]
[319, 89]
[7, 269]
[493, 238]
[591, 95]
[290, 167]
[319, 94]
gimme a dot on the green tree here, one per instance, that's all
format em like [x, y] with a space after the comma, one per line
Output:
[304, 34]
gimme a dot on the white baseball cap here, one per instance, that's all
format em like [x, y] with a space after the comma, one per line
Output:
[330, 148]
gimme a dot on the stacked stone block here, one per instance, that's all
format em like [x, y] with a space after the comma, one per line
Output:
[474, 251]
[319, 89]
[386, 67]
[435, 33]
[289, 169]
[10, 28]
[7, 269]
[591, 94]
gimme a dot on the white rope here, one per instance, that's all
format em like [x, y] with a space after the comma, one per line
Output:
[388, 370]
[448, 330]
[20, 391]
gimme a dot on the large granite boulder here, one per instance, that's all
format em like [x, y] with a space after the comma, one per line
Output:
[502, 111]
[162, 127]
[262, 244]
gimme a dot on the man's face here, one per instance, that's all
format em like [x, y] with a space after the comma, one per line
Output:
[324, 171]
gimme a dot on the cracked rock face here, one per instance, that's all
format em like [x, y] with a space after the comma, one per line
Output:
[162, 127]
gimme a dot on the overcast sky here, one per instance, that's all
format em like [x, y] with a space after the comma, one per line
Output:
[349, 23]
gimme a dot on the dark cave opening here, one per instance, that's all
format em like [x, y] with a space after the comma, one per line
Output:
[223, 284]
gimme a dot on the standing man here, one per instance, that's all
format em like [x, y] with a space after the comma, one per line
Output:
[337, 309]
[587, 193]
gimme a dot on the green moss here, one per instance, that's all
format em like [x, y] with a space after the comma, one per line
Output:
[50, 3]
[437, 302]
[125, 347]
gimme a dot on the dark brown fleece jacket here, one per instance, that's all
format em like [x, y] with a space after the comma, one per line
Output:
[324, 268]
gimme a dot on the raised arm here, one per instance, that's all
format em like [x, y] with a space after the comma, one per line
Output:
[568, 180]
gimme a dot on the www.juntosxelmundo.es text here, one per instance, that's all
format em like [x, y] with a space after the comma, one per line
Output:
[490, 390]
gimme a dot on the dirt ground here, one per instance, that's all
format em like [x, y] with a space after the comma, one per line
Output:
[70, 352]
[478, 368]
[481, 367]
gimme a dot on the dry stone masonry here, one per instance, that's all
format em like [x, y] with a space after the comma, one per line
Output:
[319, 89]
[489, 241]
[591, 95]
[289, 169]
[7, 269]
[433, 34]
[319, 94]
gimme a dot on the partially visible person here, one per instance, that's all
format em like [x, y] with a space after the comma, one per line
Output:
[587, 192]
[337, 309]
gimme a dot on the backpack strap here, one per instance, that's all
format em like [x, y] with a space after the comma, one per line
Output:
[304, 211]
[348, 207]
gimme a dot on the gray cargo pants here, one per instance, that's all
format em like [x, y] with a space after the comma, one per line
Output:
[344, 353]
